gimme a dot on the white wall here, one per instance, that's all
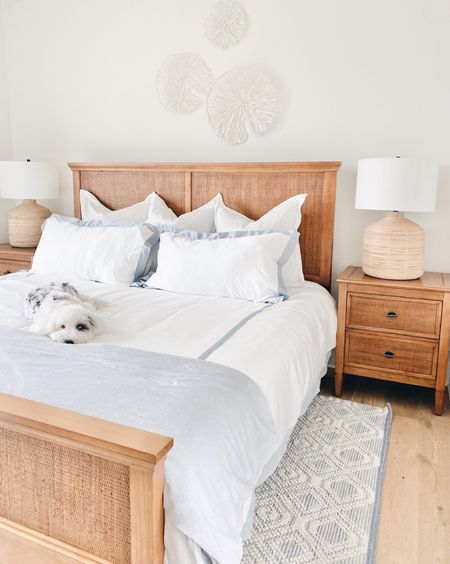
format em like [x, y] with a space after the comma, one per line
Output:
[363, 78]
[5, 137]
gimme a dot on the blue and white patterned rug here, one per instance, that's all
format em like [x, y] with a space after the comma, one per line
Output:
[322, 503]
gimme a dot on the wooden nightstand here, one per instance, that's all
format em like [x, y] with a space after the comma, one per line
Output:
[394, 330]
[13, 259]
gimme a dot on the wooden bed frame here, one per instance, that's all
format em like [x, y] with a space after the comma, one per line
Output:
[74, 488]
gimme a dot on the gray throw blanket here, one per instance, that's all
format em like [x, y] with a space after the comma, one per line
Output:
[219, 418]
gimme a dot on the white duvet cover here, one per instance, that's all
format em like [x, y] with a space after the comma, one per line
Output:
[282, 347]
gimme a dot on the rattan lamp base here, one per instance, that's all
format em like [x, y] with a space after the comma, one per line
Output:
[24, 223]
[393, 248]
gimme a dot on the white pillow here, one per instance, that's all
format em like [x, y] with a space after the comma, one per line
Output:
[287, 216]
[92, 208]
[242, 265]
[200, 219]
[111, 252]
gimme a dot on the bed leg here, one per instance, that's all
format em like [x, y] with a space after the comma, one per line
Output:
[147, 514]
[338, 381]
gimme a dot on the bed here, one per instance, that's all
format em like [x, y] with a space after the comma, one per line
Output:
[77, 486]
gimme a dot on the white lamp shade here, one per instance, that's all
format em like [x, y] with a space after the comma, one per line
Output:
[396, 184]
[28, 180]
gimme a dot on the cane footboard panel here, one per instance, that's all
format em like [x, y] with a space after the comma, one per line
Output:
[73, 492]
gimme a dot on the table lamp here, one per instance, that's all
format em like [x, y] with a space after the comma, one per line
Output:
[393, 247]
[28, 181]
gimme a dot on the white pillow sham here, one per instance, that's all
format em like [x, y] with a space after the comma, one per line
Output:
[110, 252]
[286, 216]
[200, 219]
[242, 265]
[92, 208]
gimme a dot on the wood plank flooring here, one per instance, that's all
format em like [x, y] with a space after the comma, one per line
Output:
[415, 513]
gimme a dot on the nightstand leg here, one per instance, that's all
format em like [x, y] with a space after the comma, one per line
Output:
[439, 399]
[338, 381]
[340, 339]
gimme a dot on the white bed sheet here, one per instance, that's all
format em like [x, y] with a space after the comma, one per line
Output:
[282, 347]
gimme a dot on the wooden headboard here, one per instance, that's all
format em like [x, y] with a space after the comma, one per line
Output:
[250, 188]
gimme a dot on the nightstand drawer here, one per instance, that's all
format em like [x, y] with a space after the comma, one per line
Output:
[7, 267]
[399, 315]
[416, 357]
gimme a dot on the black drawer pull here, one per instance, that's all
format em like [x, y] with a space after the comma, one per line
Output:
[6, 272]
[389, 354]
[391, 314]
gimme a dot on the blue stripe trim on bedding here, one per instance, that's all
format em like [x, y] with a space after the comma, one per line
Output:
[98, 222]
[144, 264]
[230, 333]
[285, 256]
[237, 234]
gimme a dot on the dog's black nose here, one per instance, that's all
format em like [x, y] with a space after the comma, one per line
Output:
[68, 342]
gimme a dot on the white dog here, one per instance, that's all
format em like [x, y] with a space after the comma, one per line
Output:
[59, 311]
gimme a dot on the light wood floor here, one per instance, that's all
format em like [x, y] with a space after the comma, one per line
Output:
[415, 512]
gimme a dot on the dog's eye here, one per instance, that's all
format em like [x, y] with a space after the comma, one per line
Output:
[63, 326]
[81, 327]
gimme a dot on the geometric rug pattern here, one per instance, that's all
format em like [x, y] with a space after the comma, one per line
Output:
[321, 505]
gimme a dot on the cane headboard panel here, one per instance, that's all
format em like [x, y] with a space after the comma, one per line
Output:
[249, 188]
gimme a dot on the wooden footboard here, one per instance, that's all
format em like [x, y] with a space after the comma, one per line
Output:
[74, 488]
